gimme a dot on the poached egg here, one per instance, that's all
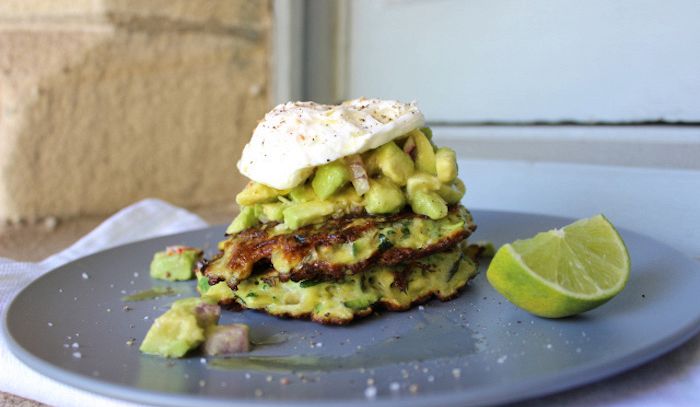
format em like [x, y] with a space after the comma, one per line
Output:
[295, 137]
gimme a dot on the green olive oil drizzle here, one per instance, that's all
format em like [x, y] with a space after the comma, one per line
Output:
[150, 294]
[389, 351]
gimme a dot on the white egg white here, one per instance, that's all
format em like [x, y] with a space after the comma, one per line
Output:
[295, 137]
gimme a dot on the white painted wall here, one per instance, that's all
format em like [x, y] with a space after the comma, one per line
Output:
[509, 60]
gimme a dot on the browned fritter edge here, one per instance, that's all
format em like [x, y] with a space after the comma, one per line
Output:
[334, 231]
[376, 307]
[389, 257]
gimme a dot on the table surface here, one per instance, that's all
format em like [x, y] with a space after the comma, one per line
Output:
[656, 202]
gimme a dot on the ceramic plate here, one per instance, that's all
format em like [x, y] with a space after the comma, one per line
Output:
[72, 325]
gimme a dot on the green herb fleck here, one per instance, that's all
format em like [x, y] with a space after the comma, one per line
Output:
[308, 283]
[455, 267]
[203, 284]
[384, 242]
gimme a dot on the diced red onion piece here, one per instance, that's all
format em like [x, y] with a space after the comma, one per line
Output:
[409, 147]
[207, 314]
[360, 180]
[227, 340]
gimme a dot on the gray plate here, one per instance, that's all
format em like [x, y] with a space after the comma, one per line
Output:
[477, 349]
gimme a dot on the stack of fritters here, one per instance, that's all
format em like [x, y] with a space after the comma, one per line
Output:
[351, 208]
[346, 267]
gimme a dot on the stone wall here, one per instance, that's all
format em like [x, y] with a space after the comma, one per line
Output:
[105, 102]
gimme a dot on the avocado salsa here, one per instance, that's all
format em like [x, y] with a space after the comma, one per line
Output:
[406, 171]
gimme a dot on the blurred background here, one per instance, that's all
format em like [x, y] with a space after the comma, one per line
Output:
[105, 102]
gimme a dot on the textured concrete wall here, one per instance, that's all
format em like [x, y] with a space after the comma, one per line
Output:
[105, 102]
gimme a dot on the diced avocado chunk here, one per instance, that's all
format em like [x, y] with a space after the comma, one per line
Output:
[172, 335]
[346, 200]
[217, 293]
[430, 204]
[255, 193]
[383, 197]
[306, 213]
[176, 263]
[180, 329]
[452, 194]
[446, 164]
[302, 193]
[393, 162]
[269, 212]
[425, 155]
[245, 219]
[428, 132]
[330, 178]
[421, 181]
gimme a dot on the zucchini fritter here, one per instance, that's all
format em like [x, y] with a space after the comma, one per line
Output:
[338, 247]
[395, 288]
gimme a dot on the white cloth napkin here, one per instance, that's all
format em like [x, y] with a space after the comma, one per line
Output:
[147, 218]
[673, 380]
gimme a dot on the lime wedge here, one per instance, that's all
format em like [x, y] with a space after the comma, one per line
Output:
[562, 272]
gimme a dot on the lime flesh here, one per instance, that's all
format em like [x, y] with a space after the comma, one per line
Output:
[562, 272]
